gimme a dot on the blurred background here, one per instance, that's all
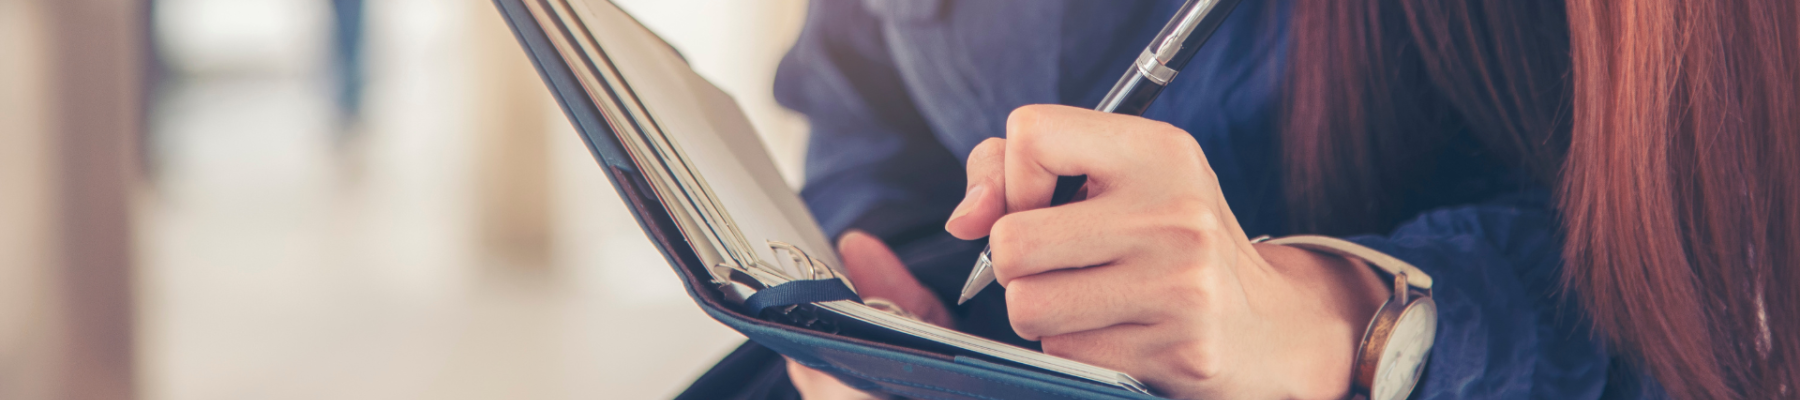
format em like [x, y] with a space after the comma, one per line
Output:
[335, 199]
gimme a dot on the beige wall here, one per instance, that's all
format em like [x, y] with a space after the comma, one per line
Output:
[68, 120]
[26, 208]
[512, 143]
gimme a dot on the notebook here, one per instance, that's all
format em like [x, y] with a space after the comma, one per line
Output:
[692, 169]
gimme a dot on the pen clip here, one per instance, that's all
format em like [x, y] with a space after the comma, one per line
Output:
[1177, 32]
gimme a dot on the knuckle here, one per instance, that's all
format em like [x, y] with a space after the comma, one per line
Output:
[1025, 120]
[1199, 360]
[1026, 310]
[1201, 291]
[1189, 221]
[1005, 239]
[1186, 222]
[1165, 130]
[1204, 217]
[988, 150]
[1168, 136]
[1188, 295]
[986, 162]
[1186, 235]
[1173, 143]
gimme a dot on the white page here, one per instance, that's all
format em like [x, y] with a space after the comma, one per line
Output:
[715, 135]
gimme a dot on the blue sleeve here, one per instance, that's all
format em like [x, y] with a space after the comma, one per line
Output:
[1505, 330]
[872, 162]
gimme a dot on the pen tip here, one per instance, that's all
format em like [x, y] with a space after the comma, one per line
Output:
[962, 299]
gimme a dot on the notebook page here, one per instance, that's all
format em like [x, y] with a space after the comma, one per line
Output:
[715, 136]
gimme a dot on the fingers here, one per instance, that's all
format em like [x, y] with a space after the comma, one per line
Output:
[878, 273]
[1076, 300]
[1102, 231]
[1141, 291]
[1141, 268]
[1047, 141]
[1075, 235]
[985, 200]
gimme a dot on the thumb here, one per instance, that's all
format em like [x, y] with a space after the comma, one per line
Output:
[878, 273]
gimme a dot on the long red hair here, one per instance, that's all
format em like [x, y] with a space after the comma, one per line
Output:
[1670, 129]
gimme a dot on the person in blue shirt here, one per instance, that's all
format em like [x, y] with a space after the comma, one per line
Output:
[1448, 134]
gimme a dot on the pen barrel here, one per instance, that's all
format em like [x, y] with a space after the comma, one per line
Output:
[1066, 187]
[1131, 95]
[1193, 24]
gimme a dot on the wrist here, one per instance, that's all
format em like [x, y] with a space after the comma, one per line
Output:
[1334, 300]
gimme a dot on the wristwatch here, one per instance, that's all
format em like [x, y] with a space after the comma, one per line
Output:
[1399, 338]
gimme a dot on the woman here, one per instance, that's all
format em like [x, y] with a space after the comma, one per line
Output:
[1605, 191]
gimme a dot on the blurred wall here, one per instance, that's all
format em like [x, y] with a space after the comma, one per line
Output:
[26, 208]
[70, 114]
[512, 135]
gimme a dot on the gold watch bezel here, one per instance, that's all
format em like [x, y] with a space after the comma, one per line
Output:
[1380, 329]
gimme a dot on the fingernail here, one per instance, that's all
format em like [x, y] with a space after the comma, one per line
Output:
[968, 202]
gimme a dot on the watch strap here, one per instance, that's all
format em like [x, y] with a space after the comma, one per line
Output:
[1393, 266]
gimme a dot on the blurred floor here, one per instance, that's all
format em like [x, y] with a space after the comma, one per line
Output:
[279, 264]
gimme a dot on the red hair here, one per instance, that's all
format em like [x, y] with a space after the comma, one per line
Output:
[1669, 128]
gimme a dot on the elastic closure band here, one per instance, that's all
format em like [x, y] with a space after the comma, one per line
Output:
[799, 292]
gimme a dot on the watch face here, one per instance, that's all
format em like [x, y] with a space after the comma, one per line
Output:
[1403, 357]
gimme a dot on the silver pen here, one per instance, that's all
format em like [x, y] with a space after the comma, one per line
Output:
[1154, 68]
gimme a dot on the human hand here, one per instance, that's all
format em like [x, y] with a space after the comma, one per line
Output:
[877, 273]
[1151, 274]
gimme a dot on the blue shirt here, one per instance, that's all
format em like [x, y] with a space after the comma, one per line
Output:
[899, 91]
